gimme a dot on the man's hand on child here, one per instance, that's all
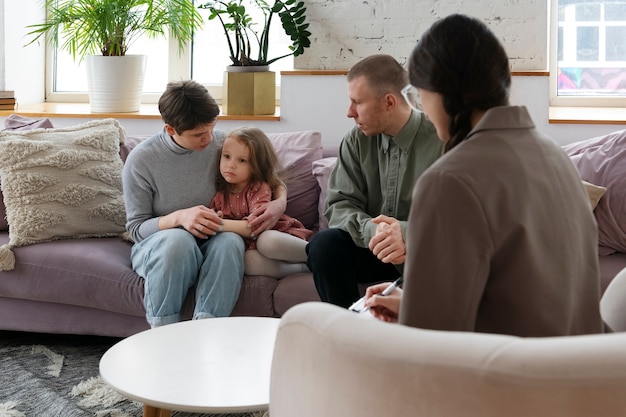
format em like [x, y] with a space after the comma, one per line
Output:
[266, 216]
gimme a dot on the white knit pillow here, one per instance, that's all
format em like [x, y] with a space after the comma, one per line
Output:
[61, 183]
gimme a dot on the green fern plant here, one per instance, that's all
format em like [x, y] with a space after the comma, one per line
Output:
[109, 27]
[239, 28]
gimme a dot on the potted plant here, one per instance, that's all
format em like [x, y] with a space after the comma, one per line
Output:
[248, 43]
[101, 31]
[242, 27]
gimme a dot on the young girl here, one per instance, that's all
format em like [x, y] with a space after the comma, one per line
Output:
[247, 175]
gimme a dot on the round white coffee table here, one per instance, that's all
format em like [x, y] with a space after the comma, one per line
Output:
[219, 365]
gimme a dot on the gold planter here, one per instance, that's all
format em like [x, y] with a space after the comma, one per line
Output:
[249, 93]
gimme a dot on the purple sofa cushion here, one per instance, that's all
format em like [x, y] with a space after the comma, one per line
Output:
[602, 161]
[93, 272]
[321, 170]
[129, 144]
[17, 122]
[296, 152]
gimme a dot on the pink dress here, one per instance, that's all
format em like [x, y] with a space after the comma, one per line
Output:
[239, 206]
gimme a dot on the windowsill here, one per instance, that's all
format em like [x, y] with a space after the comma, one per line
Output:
[557, 115]
[82, 110]
[587, 115]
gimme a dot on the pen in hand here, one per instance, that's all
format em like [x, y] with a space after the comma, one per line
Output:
[358, 305]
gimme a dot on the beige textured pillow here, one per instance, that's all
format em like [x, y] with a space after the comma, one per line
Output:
[595, 193]
[61, 183]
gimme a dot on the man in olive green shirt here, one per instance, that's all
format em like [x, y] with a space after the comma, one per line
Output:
[369, 190]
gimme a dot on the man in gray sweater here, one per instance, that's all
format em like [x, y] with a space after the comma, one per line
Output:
[169, 181]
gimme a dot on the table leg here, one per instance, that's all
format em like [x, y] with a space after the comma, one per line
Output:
[149, 411]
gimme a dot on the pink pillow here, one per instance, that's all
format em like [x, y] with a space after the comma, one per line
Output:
[602, 161]
[297, 151]
[321, 170]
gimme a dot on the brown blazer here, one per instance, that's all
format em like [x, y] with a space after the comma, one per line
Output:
[501, 237]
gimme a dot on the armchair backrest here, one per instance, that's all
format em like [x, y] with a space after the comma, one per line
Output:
[613, 303]
[332, 362]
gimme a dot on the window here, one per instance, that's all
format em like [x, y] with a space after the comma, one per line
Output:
[204, 61]
[589, 53]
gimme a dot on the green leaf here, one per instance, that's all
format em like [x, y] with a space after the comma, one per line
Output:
[109, 27]
[242, 31]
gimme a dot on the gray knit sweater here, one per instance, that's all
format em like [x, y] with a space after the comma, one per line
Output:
[160, 177]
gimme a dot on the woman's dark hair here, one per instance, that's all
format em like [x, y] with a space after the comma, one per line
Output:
[186, 105]
[461, 59]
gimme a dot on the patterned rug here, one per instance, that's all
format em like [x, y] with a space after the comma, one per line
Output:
[57, 376]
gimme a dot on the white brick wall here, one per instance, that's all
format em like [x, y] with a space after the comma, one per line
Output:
[344, 31]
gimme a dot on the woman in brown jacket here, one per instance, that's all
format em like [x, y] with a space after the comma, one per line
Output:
[501, 237]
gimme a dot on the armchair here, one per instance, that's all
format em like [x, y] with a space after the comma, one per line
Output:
[332, 362]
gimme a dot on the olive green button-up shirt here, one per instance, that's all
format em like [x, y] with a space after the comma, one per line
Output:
[376, 174]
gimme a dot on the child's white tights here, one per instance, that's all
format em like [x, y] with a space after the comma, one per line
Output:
[277, 254]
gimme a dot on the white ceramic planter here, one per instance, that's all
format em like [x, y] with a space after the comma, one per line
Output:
[115, 83]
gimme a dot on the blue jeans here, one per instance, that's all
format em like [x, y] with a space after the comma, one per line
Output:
[172, 261]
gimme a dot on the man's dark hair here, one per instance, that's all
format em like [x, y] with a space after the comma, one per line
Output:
[185, 105]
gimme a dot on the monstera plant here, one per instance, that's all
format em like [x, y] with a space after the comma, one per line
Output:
[249, 40]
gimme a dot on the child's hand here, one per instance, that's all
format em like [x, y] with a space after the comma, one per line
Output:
[200, 221]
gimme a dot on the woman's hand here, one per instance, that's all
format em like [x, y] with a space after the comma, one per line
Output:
[387, 244]
[387, 307]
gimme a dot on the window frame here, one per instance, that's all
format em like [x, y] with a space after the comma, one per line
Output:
[570, 101]
[179, 68]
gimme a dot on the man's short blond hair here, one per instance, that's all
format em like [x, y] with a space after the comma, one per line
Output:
[383, 73]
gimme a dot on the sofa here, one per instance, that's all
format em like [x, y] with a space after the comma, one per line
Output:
[601, 161]
[86, 285]
[360, 366]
